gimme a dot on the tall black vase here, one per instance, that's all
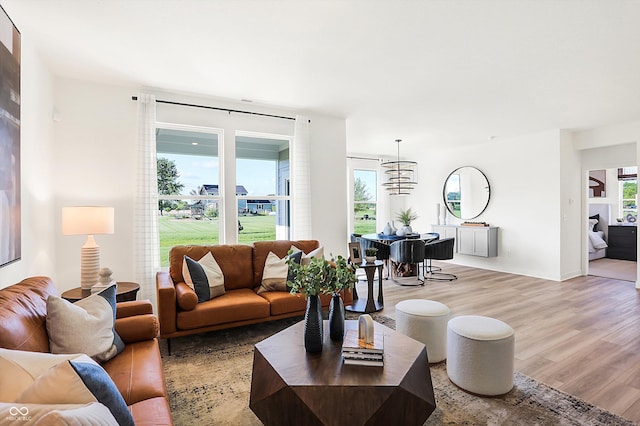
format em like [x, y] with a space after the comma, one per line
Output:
[336, 318]
[313, 328]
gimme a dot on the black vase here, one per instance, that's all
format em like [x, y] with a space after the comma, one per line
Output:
[313, 328]
[336, 318]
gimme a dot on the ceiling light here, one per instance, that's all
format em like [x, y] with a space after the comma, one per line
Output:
[400, 175]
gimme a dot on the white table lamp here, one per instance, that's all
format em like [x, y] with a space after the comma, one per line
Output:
[88, 220]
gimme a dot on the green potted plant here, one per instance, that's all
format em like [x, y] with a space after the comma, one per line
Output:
[321, 276]
[406, 217]
[370, 254]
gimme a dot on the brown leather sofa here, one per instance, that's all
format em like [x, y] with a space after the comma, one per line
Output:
[136, 371]
[180, 313]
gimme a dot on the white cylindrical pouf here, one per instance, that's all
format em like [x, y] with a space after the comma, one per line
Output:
[426, 322]
[480, 354]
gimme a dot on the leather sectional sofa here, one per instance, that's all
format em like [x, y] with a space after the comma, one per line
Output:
[180, 313]
[137, 371]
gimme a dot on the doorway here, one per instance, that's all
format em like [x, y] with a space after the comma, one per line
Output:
[611, 229]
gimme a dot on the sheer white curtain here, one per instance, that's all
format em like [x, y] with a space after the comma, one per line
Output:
[147, 245]
[301, 191]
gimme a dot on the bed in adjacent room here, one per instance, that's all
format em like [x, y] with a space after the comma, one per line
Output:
[597, 227]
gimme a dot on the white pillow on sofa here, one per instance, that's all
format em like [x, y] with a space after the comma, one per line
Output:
[43, 378]
[205, 277]
[276, 272]
[306, 257]
[94, 414]
[19, 369]
[86, 326]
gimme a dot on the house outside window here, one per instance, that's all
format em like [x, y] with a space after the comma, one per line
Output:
[263, 168]
[189, 203]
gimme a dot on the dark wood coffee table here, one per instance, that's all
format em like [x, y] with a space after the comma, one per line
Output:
[291, 387]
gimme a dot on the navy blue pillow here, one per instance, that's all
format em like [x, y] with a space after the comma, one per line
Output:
[297, 257]
[199, 279]
[104, 390]
[109, 294]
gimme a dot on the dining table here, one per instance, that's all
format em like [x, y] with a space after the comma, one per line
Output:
[388, 239]
[381, 240]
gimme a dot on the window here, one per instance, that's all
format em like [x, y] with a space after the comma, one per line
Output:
[628, 182]
[188, 186]
[262, 187]
[454, 195]
[364, 201]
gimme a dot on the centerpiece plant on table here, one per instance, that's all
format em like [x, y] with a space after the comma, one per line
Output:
[406, 217]
[317, 277]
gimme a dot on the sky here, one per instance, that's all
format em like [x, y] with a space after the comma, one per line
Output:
[257, 176]
[369, 178]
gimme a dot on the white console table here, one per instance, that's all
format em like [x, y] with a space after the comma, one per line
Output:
[471, 240]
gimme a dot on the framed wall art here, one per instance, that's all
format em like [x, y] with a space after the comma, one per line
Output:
[597, 183]
[10, 228]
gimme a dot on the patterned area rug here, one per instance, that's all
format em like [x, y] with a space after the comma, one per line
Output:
[208, 378]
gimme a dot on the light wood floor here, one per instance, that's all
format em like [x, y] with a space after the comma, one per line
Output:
[614, 268]
[581, 336]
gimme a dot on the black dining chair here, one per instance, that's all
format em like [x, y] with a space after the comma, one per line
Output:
[407, 252]
[438, 250]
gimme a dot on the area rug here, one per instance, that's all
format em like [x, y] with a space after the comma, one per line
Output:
[208, 378]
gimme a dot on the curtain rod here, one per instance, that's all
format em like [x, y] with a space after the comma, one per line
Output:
[135, 98]
[363, 158]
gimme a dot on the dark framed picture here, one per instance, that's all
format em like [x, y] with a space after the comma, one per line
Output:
[10, 242]
[355, 253]
[597, 183]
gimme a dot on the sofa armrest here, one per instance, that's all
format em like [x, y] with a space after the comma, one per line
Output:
[137, 328]
[134, 307]
[166, 293]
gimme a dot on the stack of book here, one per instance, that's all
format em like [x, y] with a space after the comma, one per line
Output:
[356, 352]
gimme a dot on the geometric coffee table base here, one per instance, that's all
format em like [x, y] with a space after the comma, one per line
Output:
[294, 401]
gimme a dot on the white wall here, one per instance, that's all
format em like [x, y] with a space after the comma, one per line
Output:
[38, 254]
[571, 217]
[328, 183]
[524, 174]
[94, 160]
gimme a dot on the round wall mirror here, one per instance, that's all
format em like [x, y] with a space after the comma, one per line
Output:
[466, 193]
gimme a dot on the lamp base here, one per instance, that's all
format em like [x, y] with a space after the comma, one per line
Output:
[89, 267]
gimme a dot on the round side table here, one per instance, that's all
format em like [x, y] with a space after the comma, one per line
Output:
[127, 291]
[370, 304]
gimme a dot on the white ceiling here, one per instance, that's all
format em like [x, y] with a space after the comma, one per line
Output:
[446, 71]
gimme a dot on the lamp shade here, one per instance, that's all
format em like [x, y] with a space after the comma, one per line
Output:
[87, 220]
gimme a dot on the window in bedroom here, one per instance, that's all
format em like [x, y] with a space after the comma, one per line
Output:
[628, 181]
[263, 187]
[188, 182]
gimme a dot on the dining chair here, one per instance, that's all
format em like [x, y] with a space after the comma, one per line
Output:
[407, 252]
[438, 250]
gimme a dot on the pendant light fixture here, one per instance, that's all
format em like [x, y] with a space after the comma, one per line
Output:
[400, 175]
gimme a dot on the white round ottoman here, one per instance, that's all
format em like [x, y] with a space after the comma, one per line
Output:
[480, 354]
[426, 322]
